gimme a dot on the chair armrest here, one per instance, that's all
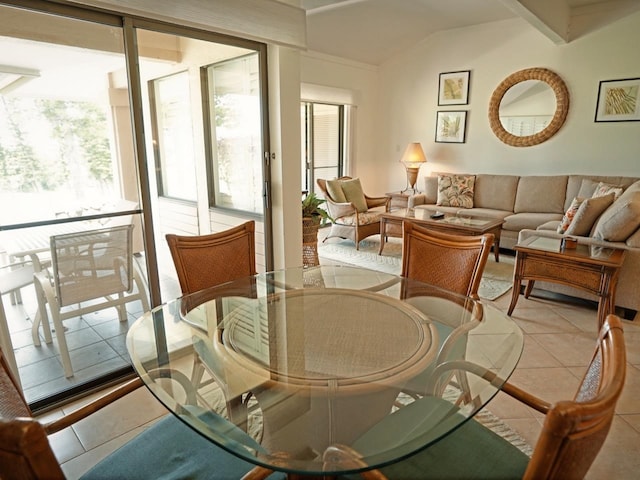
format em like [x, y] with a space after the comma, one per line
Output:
[101, 402]
[378, 202]
[527, 233]
[508, 388]
[337, 210]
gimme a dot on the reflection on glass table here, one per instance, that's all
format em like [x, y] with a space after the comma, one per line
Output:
[316, 357]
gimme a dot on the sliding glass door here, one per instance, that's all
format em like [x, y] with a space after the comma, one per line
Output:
[203, 104]
[114, 132]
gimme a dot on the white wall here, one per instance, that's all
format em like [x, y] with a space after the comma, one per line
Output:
[409, 89]
[397, 102]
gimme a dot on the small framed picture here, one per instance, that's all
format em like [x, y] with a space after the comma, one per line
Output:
[454, 88]
[451, 126]
[618, 101]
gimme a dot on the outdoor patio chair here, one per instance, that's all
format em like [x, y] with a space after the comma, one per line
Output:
[91, 270]
[354, 214]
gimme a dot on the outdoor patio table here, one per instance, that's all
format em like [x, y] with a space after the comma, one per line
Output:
[315, 357]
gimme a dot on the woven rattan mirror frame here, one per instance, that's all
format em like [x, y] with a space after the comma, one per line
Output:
[562, 106]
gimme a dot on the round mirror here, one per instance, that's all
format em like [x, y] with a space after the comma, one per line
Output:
[528, 107]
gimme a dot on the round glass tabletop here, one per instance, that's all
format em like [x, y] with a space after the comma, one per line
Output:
[318, 370]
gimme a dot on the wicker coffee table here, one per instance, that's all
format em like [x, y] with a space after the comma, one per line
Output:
[391, 225]
[587, 267]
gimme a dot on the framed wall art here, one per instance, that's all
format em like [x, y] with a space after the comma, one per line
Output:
[451, 126]
[454, 88]
[618, 101]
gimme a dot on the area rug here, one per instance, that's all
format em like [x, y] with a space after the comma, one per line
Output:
[496, 281]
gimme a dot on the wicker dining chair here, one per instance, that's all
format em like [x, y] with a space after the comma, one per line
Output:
[453, 262]
[204, 261]
[168, 449]
[571, 438]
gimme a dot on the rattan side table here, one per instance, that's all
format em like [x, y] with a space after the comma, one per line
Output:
[591, 268]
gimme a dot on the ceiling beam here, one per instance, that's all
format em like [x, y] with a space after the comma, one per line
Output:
[550, 17]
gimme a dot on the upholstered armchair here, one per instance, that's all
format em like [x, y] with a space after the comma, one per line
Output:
[355, 215]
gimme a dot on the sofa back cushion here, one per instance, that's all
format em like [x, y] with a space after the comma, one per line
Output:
[622, 218]
[541, 194]
[431, 189]
[497, 192]
[585, 185]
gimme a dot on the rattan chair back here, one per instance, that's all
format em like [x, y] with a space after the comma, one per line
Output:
[25, 452]
[574, 431]
[453, 262]
[203, 261]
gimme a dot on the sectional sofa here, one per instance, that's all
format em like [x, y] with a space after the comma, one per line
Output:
[541, 204]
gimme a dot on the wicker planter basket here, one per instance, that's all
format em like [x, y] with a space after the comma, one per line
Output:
[310, 226]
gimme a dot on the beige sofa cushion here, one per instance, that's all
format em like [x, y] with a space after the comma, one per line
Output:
[496, 192]
[587, 214]
[577, 186]
[620, 220]
[541, 194]
[431, 189]
[634, 239]
[587, 188]
[529, 221]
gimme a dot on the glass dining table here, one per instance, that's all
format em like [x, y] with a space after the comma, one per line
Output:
[296, 370]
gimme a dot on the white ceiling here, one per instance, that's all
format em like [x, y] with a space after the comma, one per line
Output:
[372, 31]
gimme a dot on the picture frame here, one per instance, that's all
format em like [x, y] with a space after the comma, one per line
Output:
[618, 100]
[451, 126]
[453, 88]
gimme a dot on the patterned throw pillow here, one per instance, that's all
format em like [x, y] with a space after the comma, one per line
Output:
[456, 190]
[569, 214]
[603, 189]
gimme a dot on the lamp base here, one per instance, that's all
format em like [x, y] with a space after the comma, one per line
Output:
[412, 178]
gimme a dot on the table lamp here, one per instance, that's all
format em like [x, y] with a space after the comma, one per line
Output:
[412, 159]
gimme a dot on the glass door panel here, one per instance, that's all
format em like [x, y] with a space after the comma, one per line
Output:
[202, 104]
[66, 167]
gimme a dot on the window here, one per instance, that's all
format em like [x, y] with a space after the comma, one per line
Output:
[323, 144]
[236, 140]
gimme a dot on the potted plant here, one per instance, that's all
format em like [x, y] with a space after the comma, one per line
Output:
[311, 209]
[312, 217]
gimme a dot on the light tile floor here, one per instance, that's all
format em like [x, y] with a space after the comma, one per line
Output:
[559, 339]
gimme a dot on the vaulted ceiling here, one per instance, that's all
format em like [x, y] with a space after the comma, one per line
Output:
[372, 31]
